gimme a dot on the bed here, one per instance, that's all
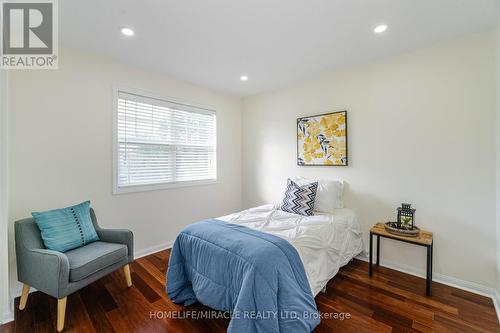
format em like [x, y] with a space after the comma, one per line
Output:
[262, 265]
[325, 241]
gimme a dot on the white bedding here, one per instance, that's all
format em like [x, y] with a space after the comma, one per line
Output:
[325, 241]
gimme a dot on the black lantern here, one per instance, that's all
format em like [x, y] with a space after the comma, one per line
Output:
[406, 217]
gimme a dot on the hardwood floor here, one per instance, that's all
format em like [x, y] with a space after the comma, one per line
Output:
[390, 301]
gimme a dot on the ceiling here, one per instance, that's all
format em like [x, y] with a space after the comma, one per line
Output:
[275, 42]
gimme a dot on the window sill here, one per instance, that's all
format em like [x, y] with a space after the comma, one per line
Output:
[166, 186]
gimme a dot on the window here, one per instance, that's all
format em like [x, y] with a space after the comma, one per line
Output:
[160, 143]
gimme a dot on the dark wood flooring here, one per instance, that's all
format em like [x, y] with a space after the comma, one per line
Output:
[390, 301]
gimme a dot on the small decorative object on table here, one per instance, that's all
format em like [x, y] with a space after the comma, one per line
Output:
[405, 225]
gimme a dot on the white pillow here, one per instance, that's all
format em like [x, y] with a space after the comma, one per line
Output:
[328, 194]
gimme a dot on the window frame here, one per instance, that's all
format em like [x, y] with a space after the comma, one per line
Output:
[157, 186]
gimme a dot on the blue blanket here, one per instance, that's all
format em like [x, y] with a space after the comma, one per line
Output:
[257, 277]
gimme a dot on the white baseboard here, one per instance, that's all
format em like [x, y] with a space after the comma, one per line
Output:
[444, 279]
[496, 302]
[7, 317]
[17, 290]
[153, 249]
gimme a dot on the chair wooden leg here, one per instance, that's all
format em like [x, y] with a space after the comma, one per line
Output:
[61, 313]
[128, 278]
[24, 296]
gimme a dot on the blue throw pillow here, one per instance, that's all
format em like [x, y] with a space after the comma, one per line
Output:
[66, 228]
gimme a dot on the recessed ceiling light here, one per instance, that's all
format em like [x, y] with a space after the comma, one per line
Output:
[380, 28]
[127, 31]
[244, 78]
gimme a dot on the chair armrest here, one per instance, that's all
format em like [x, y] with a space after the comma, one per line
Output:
[120, 236]
[47, 271]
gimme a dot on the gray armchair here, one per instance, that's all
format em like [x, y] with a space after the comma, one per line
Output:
[60, 274]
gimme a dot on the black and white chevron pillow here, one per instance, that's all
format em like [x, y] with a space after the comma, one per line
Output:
[299, 199]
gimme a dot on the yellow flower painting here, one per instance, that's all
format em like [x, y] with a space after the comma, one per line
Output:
[322, 139]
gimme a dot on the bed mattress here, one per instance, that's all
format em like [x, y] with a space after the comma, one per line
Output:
[325, 241]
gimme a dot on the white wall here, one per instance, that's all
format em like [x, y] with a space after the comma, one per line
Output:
[498, 156]
[421, 130]
[60, 132]
[5, 304]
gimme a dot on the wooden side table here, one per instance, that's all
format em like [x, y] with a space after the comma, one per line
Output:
[424, 239]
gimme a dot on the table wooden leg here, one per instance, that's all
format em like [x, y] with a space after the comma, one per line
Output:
[371, 255]
[432, 259]
[378, 250]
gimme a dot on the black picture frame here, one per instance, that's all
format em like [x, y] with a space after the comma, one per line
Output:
[346, 140]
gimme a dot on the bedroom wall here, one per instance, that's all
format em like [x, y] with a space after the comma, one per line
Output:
[60, 132]
[421, 130]
[5, 306]
[498, 157]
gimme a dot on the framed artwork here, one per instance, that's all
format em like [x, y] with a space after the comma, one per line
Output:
[322, 139]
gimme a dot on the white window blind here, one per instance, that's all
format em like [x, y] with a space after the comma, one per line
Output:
[161, 142]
